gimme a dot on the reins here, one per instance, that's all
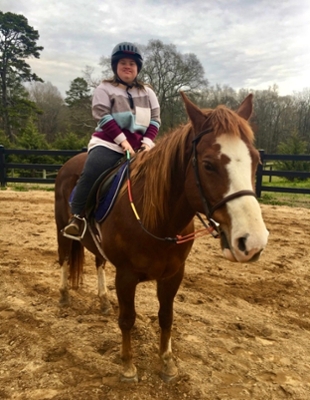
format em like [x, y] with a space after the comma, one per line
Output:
[211, 227]
[178, 239]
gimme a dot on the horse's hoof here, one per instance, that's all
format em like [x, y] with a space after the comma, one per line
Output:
[129, 379]
[129, 374]
[169, 370]
[105, 306]
[64, 303]
[64, 300]
[168, 378]
[106, 309]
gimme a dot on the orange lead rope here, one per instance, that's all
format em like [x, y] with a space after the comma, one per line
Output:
[179, 239]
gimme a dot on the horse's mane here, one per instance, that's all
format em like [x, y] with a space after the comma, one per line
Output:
[156, 166]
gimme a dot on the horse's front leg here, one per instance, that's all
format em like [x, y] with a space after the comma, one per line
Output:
[166, 291]
[105, 305]
[125, 284]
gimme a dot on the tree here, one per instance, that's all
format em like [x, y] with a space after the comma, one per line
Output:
[21, 107]
[94, 81]
[79, 102]
[78, 92]
[293, 145]
[302, 118]
[168, 71]
[53, 117]
[269, 109]
[70, 141]
[212, 97]
[30, 138]
[17, 43]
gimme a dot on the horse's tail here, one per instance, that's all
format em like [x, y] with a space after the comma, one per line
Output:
[76, 262]
[70, 251]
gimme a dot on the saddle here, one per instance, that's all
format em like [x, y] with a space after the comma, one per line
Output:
[104, 192]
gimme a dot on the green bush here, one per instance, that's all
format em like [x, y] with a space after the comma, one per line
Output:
[31, 139]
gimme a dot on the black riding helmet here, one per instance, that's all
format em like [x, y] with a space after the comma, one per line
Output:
[126, 50]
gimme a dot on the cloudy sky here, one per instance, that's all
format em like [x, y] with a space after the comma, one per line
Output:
[241, 43]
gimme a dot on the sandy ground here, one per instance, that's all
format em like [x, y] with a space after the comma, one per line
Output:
[240, 331]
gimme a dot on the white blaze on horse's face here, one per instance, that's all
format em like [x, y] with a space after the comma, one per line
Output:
[248, 235]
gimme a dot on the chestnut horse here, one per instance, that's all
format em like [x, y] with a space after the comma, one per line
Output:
[206, 166]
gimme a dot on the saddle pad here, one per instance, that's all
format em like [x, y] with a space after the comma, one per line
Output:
[108, 197]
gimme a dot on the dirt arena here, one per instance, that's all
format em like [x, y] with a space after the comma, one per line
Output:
[240, 331]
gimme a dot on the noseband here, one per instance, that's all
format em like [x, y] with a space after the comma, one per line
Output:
[208, 209]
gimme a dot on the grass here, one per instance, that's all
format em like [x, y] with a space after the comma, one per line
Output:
[26, 187]
[286, 199]
[282, 182]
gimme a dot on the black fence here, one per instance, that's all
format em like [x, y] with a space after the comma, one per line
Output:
[264, 169]
[9, 171]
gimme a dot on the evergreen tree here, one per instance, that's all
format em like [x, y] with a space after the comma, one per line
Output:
[78, 92]
[17, 43]
[79, 102]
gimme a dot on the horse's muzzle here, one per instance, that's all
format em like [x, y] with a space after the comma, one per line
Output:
[241, 253]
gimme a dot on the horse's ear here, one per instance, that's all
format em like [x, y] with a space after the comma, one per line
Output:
[195, 114]
[246, 107]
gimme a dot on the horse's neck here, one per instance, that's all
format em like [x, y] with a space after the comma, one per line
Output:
[180, 212]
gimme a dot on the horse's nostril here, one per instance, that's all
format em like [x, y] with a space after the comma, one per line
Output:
[242, 244]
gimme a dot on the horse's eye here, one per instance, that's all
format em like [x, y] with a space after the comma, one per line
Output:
[209, 166]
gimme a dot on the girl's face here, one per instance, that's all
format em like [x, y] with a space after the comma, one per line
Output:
[127, 70]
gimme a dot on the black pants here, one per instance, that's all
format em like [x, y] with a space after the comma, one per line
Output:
[99, 159]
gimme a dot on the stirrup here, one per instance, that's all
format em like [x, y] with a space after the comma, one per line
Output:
[73, 237]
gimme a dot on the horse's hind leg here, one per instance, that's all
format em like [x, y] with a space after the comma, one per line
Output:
[125, 284]
[105, 305]
[166, 291]
[64, 300]
[64, 246]
[71, 258]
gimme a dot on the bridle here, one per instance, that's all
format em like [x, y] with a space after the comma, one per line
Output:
[214, 227]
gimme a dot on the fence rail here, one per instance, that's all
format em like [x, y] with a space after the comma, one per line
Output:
[6, 166]
[262, 171]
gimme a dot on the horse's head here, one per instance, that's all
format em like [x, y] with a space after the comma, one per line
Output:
[220, 180]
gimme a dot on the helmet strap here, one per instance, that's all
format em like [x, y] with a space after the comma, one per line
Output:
[119, 80]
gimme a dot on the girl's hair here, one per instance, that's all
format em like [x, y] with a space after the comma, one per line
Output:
[114, 81]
